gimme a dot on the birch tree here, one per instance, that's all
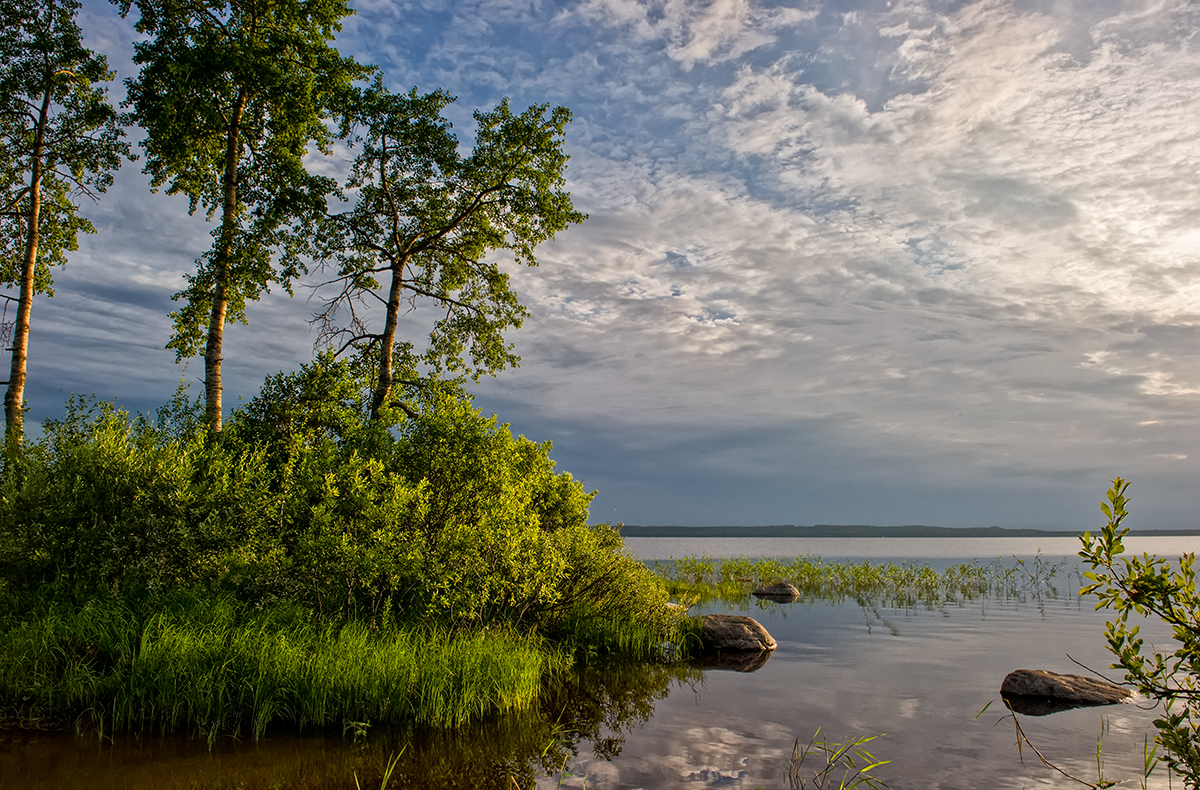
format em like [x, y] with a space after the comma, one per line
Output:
[232, 93]
[61, 140]
[411, 253]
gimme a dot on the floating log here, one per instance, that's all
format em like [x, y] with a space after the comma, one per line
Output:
[1038, 692]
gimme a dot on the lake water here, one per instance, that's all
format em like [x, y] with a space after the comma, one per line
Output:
[917, 676]
[935, 550]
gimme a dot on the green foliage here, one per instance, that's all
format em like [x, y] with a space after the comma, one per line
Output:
[1148, 586]
[610, 602]
[103, 503]
[424, 218]
[231, 94]
[305, 499]
[350, 529]
[52, 110]
[61, 141]
[846, 765]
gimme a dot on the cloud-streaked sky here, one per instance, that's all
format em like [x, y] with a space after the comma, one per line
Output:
[846, 262]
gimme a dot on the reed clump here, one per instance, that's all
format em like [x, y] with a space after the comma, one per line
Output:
[701, 579]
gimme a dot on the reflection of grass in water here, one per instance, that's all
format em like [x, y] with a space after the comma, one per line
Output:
[592, 708]
[705, 579]
[612, 697]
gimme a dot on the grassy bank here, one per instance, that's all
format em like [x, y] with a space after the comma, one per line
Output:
[217, 666]
[594, 708]
[310, 565]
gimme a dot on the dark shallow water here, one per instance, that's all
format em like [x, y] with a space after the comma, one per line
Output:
[920, 675]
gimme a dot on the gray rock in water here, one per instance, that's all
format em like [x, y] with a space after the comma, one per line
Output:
[779, 591]
[1036, 692]
[734, 633]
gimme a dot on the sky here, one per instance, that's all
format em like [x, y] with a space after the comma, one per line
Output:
[846, 262]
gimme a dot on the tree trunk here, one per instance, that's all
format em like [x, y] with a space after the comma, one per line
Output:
[223, 267]
[384, 388]
[14, 397]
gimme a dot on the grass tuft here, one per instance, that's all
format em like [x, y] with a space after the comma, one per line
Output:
[218, 667]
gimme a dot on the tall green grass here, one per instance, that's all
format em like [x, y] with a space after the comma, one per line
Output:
[216, 667]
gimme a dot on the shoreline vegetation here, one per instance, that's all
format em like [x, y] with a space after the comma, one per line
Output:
[698, 580]
[317, 566]
[310, 566]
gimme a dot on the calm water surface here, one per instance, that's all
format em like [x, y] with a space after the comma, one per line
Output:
[919, 675]
[892, 549]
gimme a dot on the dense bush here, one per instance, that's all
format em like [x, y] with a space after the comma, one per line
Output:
[303, 539]
[304, 499]
[103, 504]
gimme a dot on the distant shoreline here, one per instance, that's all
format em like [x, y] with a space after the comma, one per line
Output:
[866, 531]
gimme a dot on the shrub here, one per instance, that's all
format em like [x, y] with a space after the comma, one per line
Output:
[303, 539]
[304, 499]
[108, 504]
[1148, 586]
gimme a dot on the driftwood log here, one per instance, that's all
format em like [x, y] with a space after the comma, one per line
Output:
[1037, 692]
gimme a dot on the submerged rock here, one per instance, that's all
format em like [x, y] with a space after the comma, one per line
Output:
[1037, 692]
[779, 591]
[734, 633]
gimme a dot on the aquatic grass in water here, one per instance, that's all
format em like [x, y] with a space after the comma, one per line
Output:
[216, 667]
[702, 579]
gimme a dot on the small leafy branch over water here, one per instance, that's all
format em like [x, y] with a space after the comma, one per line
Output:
[1148, 586]
[700, 579]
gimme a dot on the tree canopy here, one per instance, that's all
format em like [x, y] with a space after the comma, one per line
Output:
[232, 93]
[423, 218]
[61, 141]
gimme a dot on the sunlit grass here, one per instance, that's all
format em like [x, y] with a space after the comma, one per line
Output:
[216, 667]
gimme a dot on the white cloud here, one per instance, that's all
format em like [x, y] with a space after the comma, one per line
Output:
[1018, 174]
[927, 275]
[693, 31]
